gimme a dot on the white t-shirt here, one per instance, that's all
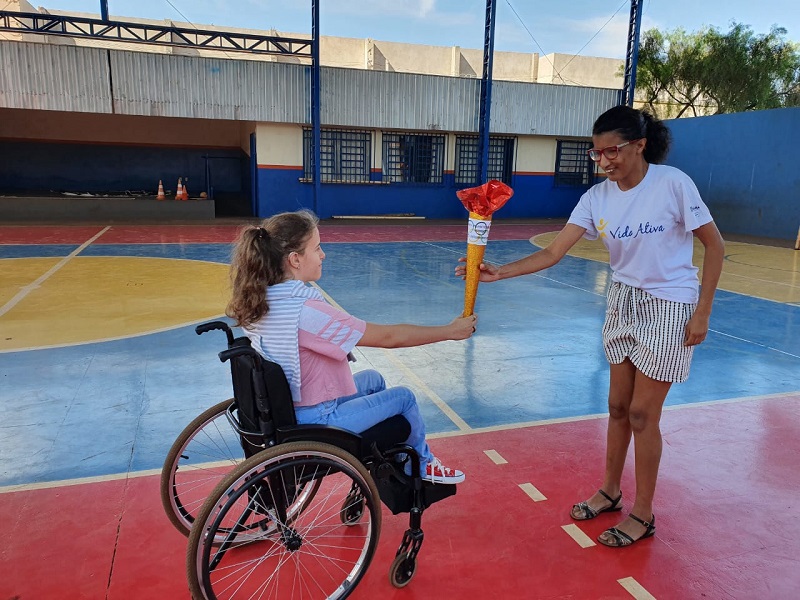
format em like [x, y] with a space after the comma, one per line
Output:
[648, 231]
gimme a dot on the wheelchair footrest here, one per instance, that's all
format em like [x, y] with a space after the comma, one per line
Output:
[397, 492]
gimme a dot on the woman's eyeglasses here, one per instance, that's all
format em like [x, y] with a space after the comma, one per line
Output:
[610, 153]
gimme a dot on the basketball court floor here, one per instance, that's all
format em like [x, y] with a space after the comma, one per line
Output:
[100, 369]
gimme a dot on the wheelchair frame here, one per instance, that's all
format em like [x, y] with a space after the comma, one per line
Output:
[276, 486]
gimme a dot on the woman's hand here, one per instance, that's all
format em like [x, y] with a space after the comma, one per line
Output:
[487, 272]
[696, 329]
[463, 327]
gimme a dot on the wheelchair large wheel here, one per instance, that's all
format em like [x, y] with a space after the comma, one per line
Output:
[205, 451]
[312, 556]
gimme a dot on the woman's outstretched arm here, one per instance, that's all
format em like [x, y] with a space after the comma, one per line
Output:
[544, 258]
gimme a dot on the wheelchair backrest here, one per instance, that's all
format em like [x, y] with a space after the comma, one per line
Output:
[262, 393]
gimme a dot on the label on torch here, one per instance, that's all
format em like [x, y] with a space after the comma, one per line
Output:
[478, 231]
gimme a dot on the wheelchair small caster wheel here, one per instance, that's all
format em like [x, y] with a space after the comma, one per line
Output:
[402, 570]
[352, 509]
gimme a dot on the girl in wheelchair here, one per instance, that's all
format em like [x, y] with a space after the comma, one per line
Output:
[290, 323]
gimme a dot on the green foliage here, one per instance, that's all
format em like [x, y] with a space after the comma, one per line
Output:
[709, 72]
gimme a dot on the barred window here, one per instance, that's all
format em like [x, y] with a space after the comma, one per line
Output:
[413, 157]
[345, 155]
[501, 159]
[574, 168]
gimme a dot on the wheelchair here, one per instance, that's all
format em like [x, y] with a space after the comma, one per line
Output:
[273, 508]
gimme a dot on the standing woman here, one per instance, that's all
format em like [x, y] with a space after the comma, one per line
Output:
[646, 214]
[290, 323]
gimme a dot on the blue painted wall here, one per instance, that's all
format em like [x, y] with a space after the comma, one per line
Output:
[746, 168]
[280, 190]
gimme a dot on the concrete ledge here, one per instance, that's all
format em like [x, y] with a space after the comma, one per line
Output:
[59, 208]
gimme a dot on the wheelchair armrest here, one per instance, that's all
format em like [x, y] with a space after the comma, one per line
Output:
[326, 434]
[239, 351]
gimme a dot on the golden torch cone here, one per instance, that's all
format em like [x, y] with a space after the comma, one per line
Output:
[476, 247]
[481, 202]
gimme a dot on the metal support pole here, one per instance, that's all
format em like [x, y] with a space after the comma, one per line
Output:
[315, 101]
[486, 94]
[632, 54]
[104, 9]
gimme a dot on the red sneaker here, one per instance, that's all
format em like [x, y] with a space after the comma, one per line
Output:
[436, 472]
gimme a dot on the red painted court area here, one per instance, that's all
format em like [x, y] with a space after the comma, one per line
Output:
[726, 497]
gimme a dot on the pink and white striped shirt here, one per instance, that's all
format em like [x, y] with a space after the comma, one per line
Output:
[310, 340]
[326, 336]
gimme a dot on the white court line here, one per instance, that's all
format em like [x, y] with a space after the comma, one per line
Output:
[635, 589]
[42, 278]
[786, 284]
[495, 457]
[46, 485]
[755, 343]
[118, 337]
[523, 425]
[441, 404]
[575, 532]
[67, 482]
[532, 492]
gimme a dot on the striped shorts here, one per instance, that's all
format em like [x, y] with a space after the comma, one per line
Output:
[648, 330]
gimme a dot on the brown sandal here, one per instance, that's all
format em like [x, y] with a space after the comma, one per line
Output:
[587, 512]
[620, 538]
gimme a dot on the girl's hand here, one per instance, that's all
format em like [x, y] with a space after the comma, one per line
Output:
[487, 272]
[462, 328]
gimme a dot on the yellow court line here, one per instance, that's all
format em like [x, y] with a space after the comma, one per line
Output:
[575, 532]
[42, 278]
[495, 457]
[533, 493]
[441, 404]
[435, 398]
[635, 589]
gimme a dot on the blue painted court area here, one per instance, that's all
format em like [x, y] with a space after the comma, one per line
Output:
[112, 407]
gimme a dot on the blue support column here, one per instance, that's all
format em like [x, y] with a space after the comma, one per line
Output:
[315, 101]
[104, 10]
[486, 93]
[253, 175]
[632, 54]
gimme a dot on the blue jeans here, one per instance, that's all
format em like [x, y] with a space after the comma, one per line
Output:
[370, 405]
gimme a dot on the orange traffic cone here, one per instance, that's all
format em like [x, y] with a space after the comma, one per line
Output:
[185, 193]
[161, 195]
[179, 192]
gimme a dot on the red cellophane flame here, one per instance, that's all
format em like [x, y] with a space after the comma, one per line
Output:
[485, 199]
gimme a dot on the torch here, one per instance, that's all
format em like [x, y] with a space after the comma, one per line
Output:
[481, 202]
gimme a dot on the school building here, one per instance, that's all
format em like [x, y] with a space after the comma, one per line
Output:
[89, 118]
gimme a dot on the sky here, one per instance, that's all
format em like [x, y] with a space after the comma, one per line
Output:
[585, 27]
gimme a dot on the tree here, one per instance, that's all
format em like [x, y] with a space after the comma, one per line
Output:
[709, 72]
